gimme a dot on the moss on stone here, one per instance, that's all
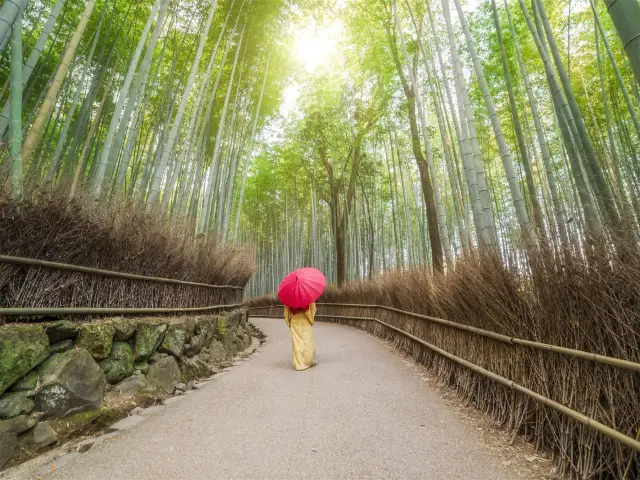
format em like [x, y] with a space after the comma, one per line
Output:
[62, 330]
[22, 347]
[164, 374]
[193, 369]
[217, 352]
[149, 336]
[119, 365]
[26, 383]
[125, 328]
[97, 339]
[70, 381]
[83, 423]
[221, 327]
[206, 328]
[174, 340]
[13, 404]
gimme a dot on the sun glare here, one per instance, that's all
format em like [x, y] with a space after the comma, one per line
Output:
[316, 46]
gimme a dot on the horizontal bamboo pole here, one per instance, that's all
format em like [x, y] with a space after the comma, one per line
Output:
[572, 352]
[35, 312]
[105, 273]
[590, 422]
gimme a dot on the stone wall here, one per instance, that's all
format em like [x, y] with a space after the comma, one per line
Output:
[60, 369]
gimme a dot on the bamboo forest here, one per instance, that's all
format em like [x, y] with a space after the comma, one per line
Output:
[357, 135]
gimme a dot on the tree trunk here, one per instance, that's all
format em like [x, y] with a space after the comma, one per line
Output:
[54, 164]
[31, 62]
[250, 151]
[616, 70]
[615, 159]
[37, 127]
[425, 180]
[154, 192]
[524, 155]
[625, 15]
[106, 162]
[15, 126]
[542, 141]
[137, 96]
[439, 208]
[11, 10]
[604, 197]
[505, 153]
[467, 137]
[567, 129]
[394, 198]
[443, 137]
[209, 205]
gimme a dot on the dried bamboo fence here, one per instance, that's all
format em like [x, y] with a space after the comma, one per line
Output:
[37, 287]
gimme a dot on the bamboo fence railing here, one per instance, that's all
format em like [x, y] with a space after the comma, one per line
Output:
[584, 419]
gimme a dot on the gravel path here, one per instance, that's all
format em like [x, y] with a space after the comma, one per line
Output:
[362, 413]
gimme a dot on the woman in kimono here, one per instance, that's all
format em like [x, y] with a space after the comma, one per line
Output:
[300, 322]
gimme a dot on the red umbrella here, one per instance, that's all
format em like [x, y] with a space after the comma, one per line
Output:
[301, 287]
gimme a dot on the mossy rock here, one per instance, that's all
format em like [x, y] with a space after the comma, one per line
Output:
[143, 366]
[20, 424]
[190, 326]
[13, 404]
[97, 339]
[41, 436]
[86, 423]
[157, 356]
[72, 422]
[206, 328]
[240, 332]
[130, 386]
[125, 328]
[62, 330]
[148, 338]
[229, 346]
[194, 368]
[8, 445]
[221, 327]
[164, 374]
[119, 365]
[236, 318]
[239, 343]
[26, 383]
[192, 349]
[61, 346]
[22, 347]
[217, 352]
[71, 382]
[174, 340]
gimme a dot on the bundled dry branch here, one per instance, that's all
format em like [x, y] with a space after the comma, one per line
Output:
[117, 237]
[593, 307]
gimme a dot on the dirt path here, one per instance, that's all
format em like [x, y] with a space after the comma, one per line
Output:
[362, 413]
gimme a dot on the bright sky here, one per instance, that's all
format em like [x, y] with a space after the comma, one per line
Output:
[316, 46]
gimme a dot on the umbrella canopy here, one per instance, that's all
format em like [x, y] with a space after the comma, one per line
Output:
[301, 287]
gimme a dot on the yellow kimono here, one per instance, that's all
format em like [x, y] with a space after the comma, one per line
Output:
[302, 346]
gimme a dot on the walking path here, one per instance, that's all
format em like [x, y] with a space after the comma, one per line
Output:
[362, 413]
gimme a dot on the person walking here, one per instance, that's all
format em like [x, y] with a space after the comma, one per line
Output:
[298, 292]
[303, 349]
